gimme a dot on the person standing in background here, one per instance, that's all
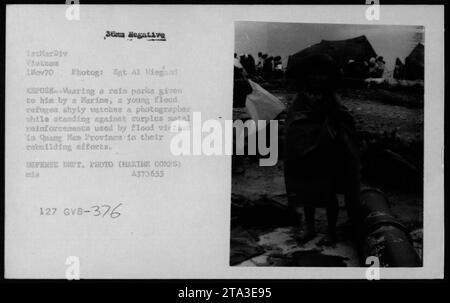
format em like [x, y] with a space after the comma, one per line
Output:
[259, 63]
[278, 67]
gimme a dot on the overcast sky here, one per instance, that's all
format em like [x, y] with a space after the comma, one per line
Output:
[284, 39]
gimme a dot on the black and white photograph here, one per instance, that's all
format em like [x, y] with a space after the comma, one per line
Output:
[347, 188]
[246, 142]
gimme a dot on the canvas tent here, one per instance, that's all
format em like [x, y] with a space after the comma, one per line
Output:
[349, 54]
[414, 63]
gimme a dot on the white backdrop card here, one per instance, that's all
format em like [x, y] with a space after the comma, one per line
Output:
[88, 165]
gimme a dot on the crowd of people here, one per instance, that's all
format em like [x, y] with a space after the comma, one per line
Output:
[372, 68]
[265, 66]
[376, 67]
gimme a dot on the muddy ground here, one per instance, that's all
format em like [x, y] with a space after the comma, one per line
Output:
[390, 129]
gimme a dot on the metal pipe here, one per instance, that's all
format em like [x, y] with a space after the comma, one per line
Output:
[384, 236]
